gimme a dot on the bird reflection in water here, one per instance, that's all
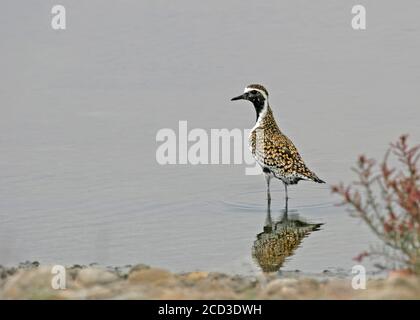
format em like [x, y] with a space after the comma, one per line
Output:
[280, 239]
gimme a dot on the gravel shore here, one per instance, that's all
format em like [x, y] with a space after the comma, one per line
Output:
[32, 281]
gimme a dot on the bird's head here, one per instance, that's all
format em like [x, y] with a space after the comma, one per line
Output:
[257, 94]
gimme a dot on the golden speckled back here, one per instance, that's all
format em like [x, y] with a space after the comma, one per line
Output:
[276, 152]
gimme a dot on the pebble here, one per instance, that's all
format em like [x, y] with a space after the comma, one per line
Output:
[32, 281]
[94, 276]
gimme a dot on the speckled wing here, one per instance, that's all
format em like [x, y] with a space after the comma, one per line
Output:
[277, 153]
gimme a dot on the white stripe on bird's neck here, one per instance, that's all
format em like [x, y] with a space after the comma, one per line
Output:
[261, 115]
[263, 112]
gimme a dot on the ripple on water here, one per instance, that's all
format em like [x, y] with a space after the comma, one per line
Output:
[256, 201]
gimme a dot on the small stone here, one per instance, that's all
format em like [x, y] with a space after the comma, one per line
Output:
[99, 292]
[401, 273]
[197, 275]
[77, 266]
[151, 275]
[95, 276]
[139, 267]
[280, 288]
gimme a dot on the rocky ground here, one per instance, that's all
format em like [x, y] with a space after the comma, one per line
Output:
[32, 281]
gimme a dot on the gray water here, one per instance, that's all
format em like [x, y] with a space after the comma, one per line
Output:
[80, 109]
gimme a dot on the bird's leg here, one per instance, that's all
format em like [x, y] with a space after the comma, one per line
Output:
[267, 179]
[286, 198]
[268, 219]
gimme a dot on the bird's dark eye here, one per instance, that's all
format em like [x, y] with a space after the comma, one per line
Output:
[254, 91]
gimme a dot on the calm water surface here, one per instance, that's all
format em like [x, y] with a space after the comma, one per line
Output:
[80, 109]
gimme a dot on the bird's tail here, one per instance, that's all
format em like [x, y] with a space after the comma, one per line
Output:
[310, 175]
[316, 179]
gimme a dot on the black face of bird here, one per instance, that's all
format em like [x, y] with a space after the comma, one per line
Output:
[255, 96]
[252, 95]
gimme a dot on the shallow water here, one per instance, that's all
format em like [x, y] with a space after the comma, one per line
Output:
[80, 110]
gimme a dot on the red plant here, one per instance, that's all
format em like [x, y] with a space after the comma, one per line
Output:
[387, 198]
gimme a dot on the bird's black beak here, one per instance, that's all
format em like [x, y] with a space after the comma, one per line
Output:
[241, 97]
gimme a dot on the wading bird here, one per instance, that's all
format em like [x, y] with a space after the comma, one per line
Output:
[273, 151]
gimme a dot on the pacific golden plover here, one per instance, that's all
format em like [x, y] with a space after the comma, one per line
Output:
[273, 151]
